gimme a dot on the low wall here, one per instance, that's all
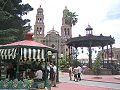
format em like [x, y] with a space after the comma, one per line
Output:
[102, 72]
[88, 71]
[105, 71]
[64, 70]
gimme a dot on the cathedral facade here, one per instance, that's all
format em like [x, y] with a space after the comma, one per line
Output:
[53, 38]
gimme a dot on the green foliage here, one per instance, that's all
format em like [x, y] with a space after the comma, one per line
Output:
[63, 63]
[12, 26]
[96, 67]
[76, 63]
[71, 18]
[8, 35]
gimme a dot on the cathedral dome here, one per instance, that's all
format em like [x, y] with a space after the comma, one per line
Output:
[53, 31]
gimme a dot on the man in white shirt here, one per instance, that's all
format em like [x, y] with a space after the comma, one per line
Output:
[79, 72]
[75, 71]
[39, 74]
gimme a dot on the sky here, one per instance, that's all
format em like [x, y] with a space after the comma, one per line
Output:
[102, 15]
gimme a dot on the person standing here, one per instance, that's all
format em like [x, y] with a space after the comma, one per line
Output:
[51, 71]
[54, 75]
[75, 71]
[39, 74]
[70, 72]
[10, 71]
[38, 77]
[79, 72]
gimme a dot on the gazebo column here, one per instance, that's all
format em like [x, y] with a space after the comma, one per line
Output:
[71, 60]
[112, 62]
[57, 77]
[107, 57]
[18, 59]
[69, 47]
[76, 56]
[111, 54]
[46, 56]
[103, 55]
[90, 57]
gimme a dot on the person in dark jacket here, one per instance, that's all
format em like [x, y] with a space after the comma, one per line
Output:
[10, 72]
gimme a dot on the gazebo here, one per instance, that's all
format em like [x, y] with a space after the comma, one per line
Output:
[24, 51]
[90, 41]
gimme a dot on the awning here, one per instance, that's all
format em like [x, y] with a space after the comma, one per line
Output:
[32, 54]
[25, 54]
[8, 53]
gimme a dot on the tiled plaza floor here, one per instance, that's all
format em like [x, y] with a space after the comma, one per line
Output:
[73, 86]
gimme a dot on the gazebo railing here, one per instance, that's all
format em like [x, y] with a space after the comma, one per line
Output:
[23, 84]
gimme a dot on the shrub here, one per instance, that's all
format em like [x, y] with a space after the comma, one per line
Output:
[96, 67]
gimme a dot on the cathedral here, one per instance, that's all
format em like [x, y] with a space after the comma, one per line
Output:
[53, 38]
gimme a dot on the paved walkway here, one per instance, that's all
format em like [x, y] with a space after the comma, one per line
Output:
[89, 82]
[103, 78]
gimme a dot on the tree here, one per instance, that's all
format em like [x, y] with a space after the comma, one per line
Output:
[12, 26]
[96, 67]
[63, 63]
[71, 18]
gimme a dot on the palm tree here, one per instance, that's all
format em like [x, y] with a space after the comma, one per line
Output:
[71, 18]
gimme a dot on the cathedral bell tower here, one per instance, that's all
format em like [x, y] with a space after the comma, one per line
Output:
[66, 33]
[39, 26]
[66, 30]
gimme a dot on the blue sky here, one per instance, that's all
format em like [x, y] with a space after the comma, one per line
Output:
[102, 15]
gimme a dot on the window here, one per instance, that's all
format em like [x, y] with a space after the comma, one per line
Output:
[40, 19]
[117, 56]
[40, 28]
[37, 28]
[66, 49]
[68, 31]
[64, 31]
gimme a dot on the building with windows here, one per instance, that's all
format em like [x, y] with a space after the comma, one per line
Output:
[53, 38]
[109, 58]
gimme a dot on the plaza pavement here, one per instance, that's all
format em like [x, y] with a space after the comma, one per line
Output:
[88, 82]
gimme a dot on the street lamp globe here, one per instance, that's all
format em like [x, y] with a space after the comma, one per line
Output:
[49, 53]
[53, 56]
[61, 55]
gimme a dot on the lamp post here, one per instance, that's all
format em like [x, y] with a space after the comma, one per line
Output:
[49, 53]
[53, 58]
[57, 78]
[61, 56]
[77, 53]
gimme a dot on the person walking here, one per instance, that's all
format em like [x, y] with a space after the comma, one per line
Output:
[79, 72]
[70, 72]
[75, 71]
